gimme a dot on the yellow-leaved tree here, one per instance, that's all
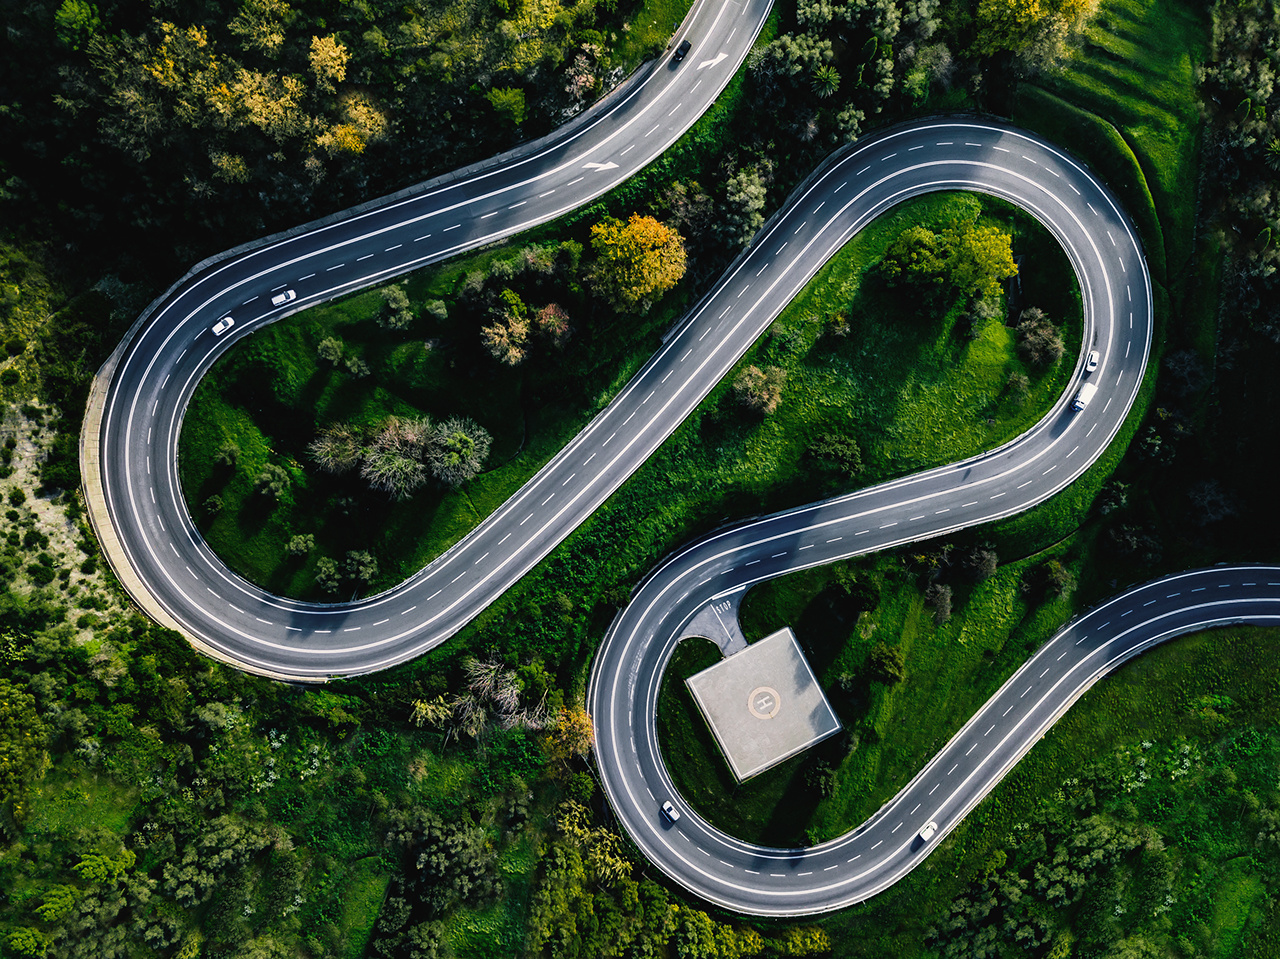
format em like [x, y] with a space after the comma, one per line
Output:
[636, 261]
[1036, 30]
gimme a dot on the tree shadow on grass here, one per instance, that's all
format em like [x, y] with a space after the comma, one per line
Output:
[789, 823]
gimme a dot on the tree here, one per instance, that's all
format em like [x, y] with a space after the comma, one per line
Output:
[273, 482]
[458, 451]
[826, 81]
[981, 256]
[27, 941]
[261, 24]
[917, 253]
[1056, 578]
[395, 313]
[360, 566]
[508, 103]
[431, 712]
[393, 471]
[1007, 24]
[839, 452]
[849, 123]
[301, 544]
[571, 735]
[393, 462]
[356, 365]
[552, 322]
[1039, 342]
[967, 256]
[760, 389]
[804, 941]
[330, 350]
[507, 336]
[227, 455]
[101, 868]
[742, 213]
[887, 664]
[327, 576]
[980, 562]
[329, 60]
[689, 209]
[22, 755]
[76, 23]
[1036, 30]
[636, 261]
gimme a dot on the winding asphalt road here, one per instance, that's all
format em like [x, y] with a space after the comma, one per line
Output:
[157, 374]
[271, 634]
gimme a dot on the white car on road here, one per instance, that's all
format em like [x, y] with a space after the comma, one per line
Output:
[280, 299]
[670, 812]
[222, 325]
[929, 829]
[1091, 361]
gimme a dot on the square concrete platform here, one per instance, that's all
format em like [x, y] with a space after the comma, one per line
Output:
[763, 704]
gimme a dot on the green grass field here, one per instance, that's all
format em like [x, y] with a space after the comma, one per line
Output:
[269, 397]
[890, 730]
[649, 29]
[1136, 69]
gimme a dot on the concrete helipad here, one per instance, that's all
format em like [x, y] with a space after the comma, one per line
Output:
[763, 704]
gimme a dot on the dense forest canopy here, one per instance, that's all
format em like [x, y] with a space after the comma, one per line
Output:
[133, 117]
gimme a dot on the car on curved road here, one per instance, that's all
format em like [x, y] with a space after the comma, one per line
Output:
[682, 51]
[929, 829]
[222, 325]
[1091, 362]
[670, 812]
[280, 299]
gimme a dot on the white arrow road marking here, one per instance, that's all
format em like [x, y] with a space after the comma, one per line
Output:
[599, 166]
[712, 63]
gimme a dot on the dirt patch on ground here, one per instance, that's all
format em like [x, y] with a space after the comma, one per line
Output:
[48, 545]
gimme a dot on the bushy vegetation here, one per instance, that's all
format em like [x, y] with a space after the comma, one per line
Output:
[359, 414]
